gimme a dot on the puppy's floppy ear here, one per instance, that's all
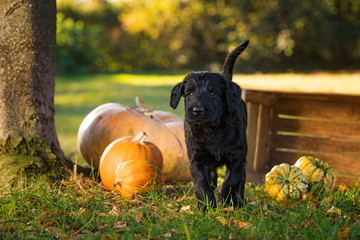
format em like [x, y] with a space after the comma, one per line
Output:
[233, 95]
[176, 93]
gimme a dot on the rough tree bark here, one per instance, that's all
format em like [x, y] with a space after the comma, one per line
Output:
[28, 142]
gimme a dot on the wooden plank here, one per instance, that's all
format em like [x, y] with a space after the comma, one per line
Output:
[331, 145]
[263, 137]
[256, 176]
[347, 180]
[342, 164]
[262, 97]
[253, 111]
[318, 127]
[319, 109]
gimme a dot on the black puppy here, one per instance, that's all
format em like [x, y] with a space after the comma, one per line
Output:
[215, 131]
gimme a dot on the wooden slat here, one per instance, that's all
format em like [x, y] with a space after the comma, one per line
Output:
[263, 98]
[333, 145]
[347, 180]
[256, 176]
[263, 138]
[319, 109]
[342, 164]
[269, 97]
[253, 111]
[324, 128]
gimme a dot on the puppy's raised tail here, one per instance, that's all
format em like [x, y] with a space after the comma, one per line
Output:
[231, 58]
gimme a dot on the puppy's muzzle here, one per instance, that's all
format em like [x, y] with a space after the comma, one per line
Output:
[198, 110]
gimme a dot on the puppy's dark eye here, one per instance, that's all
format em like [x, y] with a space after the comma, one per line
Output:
[190, 94]
[212, 93]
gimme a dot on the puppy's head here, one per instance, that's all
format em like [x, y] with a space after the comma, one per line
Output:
[209, 95]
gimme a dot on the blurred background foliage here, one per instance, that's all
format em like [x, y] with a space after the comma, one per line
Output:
[177, 35]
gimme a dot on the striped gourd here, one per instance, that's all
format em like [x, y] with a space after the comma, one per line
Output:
[319, 175]
[285, 182]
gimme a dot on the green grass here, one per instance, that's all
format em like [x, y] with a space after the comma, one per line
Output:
[79, 208]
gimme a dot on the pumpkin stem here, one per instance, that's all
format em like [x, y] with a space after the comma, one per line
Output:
[140, 103]
[116, 183]
[140, 137]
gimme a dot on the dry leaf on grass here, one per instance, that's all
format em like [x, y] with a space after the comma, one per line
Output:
[228, 209]
[334, 210]
[44, 215]
[114, 211]
[343, 233]
[343, 188]
[55, 230]
[170, 234]
[233, 223]
[121, 226]
[139, 218]
[308, 223]
[187, 209]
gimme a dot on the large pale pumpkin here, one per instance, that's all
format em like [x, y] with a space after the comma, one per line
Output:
[111, 121]
[319, 175]
[137, 177]
[124, 149]
[285, 183]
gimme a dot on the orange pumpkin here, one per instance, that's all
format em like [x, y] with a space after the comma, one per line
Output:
[124, 149]
[111, 121]
[137, 177]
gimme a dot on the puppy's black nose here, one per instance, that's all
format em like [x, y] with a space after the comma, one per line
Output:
[198, 110]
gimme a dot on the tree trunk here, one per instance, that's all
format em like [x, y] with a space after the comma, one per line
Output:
[28, 142]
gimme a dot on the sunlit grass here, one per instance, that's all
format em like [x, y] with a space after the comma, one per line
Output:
[80, 208]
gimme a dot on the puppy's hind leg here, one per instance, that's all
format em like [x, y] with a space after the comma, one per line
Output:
[232, 190]
[202, 186]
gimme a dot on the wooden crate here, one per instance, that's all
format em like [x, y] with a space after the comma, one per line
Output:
[285, 126]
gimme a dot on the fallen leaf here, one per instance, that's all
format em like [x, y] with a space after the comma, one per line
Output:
[334, 210]
[120, 226]
[343, 233]
[330, 199]
[175, 231]
[223, 221]
[265, 207]
[233, 222]
[55, 230]
[139, 218]
[239, 224]
[167, 235]
[229, 209]
[65, 183]
[308, 223]
[82, 210]
[343, 187]
[44, 215]
[187, 209]
[314, 204]
[114, 211]
[232, 236]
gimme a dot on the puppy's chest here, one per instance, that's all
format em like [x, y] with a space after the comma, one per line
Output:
[217, 151]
